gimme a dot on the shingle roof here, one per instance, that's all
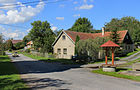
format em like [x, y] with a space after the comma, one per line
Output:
[84, 36]
[109, 44]
[16, 41]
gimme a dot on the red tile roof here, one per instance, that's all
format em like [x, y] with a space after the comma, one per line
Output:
[84, 36]
[16, 41]
[109, 44]
[29, 43]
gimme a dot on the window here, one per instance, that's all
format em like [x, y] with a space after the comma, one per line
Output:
[63, 37]
[65, 51]
[59, 51]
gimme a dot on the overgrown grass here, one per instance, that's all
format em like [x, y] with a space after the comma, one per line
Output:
[63, 61]
[9, 76]
[116, 74]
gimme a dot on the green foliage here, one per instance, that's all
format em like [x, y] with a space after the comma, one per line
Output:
[115, 74]
[42, 36]
[19, 45]
[9, 76]
[126, 23]
[9, 45]
[90, 47]
[115, 36]
[26, 39]
[77, 39]
[27, 50]
[82, 25]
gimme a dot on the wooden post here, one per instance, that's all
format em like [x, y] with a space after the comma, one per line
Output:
[106, 56]
[113, 56]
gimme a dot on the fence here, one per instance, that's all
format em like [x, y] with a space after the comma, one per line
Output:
[43, 54]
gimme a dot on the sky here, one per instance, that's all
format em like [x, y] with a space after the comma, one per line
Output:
[15, 22]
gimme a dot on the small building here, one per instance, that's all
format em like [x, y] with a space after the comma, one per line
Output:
[29, 45]
[64, 45]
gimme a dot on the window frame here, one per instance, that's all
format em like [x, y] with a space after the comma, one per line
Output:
[58, 50]
[65, 51]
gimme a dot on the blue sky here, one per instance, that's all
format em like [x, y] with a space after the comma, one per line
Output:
[62, 15]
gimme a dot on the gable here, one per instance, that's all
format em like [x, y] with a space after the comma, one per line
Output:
[60, 37]
[127, 39]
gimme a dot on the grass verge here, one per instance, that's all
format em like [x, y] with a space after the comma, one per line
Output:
[63, 61]
[116, 74]
[9, 76]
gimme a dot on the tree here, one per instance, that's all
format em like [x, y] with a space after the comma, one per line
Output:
[42, 36]
[2, 45]
[82, 25]
[115, 36]
[76, 41]
[9, 45]
[19, 45]
[90, 47]
[26, 39]
[126, 23]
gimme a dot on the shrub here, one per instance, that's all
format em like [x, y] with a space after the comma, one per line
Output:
[27, 50]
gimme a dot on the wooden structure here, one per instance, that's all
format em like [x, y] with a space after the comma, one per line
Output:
[109, 45]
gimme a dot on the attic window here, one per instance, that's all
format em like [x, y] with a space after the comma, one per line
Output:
[63, 37]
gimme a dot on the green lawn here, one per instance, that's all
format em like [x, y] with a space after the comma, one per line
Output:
[116, 74]
[63, 61]
[9, 76]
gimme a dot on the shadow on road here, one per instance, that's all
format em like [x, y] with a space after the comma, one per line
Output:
[26, 67]
[45, 82]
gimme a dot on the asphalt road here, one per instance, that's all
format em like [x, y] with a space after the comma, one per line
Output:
[54, 76]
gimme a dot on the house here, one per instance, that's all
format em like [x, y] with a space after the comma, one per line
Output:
[29, 45]
[64, 45]
[16, 41]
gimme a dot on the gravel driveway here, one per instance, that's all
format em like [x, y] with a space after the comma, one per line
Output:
[54, 76]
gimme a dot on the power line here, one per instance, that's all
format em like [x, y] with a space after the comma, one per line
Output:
[24, 3]
[32, 3]
[13, 26]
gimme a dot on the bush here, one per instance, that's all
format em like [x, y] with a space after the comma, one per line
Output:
[27, 50]
[2, 53]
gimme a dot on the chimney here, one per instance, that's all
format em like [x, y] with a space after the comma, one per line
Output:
[103, 31]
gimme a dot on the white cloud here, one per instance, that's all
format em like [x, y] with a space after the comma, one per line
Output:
[22, 15]
[62, 5]
[7, 1]
[75, 2]
[8, 33]
[76, 15]
[85, 6]
[60, 18]
[85, 1]
[54, 28]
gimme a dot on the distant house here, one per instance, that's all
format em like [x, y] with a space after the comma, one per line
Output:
[64, 45]
[29, 45]
[16, 41]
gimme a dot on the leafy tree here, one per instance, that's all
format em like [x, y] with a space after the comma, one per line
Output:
[2, 45]
[126, 23]
[19, 45]
[26, 39]
[82, 25]
[9, 45]
[42, 36]
[90, 47]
